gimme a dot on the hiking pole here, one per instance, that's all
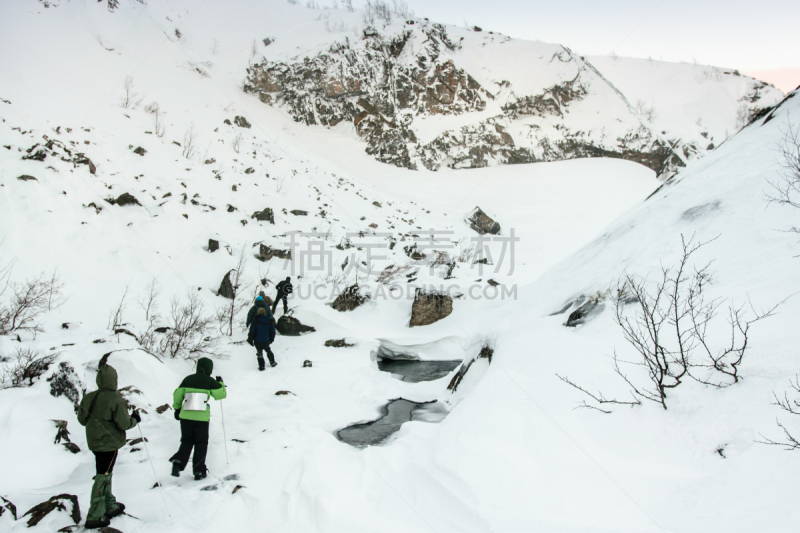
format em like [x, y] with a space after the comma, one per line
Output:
[144, 441]
[224, 438]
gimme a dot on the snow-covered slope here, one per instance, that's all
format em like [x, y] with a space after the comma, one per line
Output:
[503, 452]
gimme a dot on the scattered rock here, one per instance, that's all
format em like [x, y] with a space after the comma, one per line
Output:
[349, 299]
[307, 364]
[485, 353]
[373, 225]
[65, 325]
[337, 343]
[226, 289]
[228, 122]
[249, 170]
[241, 122]
[482, 223]
[267, 252]
[429, 307]
[8, 507]
[213, 245]
[377, 204]
[38, 155]
[584, 312]
[83, 160]
[124, 199]
[265, 215]
[492, 282]
[210, 161]
[161, 409]
[139, 150]
[291, 327]
[138, 440]
[231, 209]
[284, 393]
[162, 329]
[237, 488]
[56, 503]
[299, 212]
[26, 177]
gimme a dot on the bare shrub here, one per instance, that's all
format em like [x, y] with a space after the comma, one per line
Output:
[669, 331]
[24, 368]
[189, 332]
[237, 143]
[190, 142]
[28, 300]
[148, 300]
[159, 128]
[226, 314]
[382, 11]
[391, 273]
[347, 4]
[130, 96]
[786, 190]
[116, 317]
[645, 112]
[792, 407]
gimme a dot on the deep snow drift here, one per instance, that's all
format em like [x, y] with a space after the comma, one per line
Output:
[503, 450]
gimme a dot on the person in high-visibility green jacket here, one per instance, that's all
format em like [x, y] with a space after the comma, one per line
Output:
[190, 401]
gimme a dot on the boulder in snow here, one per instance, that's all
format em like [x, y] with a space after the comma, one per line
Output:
[291, 327]
[124, 199]
[226, 288]
[429, 307]
[267, 252]
[213, 245]
[139, 151]
[482, 223]
[56, 503]
[265, 215]
[349, 299]
[26, 177]
[241, 122]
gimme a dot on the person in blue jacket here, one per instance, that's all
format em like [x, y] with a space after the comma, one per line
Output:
[262, 333]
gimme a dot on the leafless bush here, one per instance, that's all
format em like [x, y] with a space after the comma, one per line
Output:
[791, 407]
[786, 190]
[279, 181]
[131, 98]
[226, 314]
[159, 128]
[392, 272]
[25, 367]
[466, 250]
[190, 142]
[335, 27]
[237, 142]
[400, 8]
[347, 4]
[670, 332]
[116, 317]
[648, 114]
[189, 332]
[148, 300]
[28, 300]
[382, 11]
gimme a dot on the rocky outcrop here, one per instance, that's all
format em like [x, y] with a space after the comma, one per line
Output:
[266, 253]
[213, 245]
[349, 299]
[429, 307]
[139, 151]
[26, 177]
[265, 215]
[337, 343]
[124, 199]
[482, 223]
[226, 288]
[384, 84]
[56, 503]
[62, 434]
[241, 122]
[292, 327]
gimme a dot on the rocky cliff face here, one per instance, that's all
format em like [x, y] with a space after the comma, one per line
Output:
[420, 97]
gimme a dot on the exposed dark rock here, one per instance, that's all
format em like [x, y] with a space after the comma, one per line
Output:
[482, 223]
[429, 307]
[65, 382]
[25, 177]
[377, 204]
[241, 122]
[249, 170]
[349, 299]
[486, 352]
[9, 507]
[580, 315]
[139, 150]
[291, 327]
[124, 199]
[226, 288]
[265, 215]
[83, 160]
[56, 503]
[228, 122]
[267, 252]
[337, 343]
[230, 208]
[162, 329]
[492, 282]
[299, 212]
[213, 245]
[162, 408]
[210, 161]
[284, 393]
[307, 364]
[38, 155]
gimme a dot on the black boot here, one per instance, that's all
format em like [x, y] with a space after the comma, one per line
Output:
[261, 365]
[200, 475]
[116, 512]
[176, 468]
[97, 524]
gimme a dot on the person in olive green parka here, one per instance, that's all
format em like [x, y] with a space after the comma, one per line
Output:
[105, 415]
[190, 401]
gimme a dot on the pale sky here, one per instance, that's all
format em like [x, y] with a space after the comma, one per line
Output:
[761, 37]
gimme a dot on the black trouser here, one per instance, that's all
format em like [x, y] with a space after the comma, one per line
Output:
[193, 434]
[278, 298]
[261, 347]
[104, 462]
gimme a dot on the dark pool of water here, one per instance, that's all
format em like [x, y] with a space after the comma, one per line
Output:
[416, 371]
[394, 414]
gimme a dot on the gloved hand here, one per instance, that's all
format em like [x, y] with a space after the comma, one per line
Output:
[136, 416]
[177, 414]
[219, 378]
